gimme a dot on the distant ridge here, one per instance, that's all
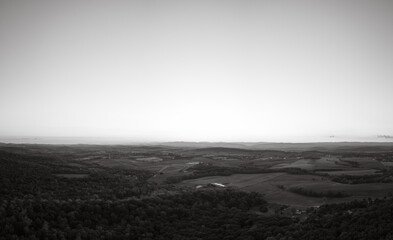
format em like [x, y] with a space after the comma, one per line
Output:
[275, 146]
[317, 146]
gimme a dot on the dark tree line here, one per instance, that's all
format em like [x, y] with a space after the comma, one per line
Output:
[35, 176]
[312, 193]
[188, 215]
[385, 176]
[213, 214]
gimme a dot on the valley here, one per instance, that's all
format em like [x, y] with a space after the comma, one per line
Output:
[118, 191]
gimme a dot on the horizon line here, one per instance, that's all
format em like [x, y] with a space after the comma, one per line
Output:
[68, 140]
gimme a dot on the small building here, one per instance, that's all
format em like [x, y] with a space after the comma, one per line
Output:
[217, 185]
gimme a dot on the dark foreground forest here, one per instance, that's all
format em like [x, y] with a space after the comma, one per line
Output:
[46, 197]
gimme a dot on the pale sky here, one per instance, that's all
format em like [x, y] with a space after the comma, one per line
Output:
[200, 70]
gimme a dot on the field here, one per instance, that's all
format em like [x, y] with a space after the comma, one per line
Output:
[353, 172]
[178, 192]
[273, 187]
[273, 173]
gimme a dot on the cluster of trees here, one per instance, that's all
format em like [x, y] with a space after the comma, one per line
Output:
[385, 176]
[312, 193]
[188, 215]
[360, 220]
[34, 176]
[385, 157]
[213, 214]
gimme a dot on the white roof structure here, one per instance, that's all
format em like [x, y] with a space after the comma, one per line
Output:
[218, 184]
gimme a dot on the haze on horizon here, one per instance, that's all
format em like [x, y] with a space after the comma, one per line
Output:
[287, 70]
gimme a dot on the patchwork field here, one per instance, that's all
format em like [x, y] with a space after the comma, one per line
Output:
[315, 164]
[353, 172]
[275, 187]
[273, 173]
[160, 192]
[236, 180]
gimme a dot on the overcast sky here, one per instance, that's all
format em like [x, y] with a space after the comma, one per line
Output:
[200, 70]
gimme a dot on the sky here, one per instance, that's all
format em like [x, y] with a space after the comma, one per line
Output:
[206, 70]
